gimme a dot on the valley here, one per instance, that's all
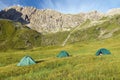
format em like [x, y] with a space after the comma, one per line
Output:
[44, 33]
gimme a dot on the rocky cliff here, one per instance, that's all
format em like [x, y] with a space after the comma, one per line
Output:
[47, 21]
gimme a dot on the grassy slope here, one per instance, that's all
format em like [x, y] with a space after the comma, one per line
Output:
[54, 38]
[82, 65]
[14, 35]
[90, 31]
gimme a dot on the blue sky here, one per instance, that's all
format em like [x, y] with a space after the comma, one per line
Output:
[65, 6]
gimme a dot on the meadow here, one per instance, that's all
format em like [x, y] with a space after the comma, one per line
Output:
[81, 65]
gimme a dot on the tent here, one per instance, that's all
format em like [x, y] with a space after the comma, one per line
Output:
[25, 61]
[102, 51]
[62, 54]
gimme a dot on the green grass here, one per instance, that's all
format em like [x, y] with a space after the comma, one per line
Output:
[82, 46]
[13, 35]
[81, 65]
[54, 38]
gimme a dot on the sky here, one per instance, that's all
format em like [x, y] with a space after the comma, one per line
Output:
[65, 6]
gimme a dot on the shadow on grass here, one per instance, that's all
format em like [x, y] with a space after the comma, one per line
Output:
[40, 61]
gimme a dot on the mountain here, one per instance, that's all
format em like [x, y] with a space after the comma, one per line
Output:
[20, 35]
[47, 21]
[113, 12]
[27, 27]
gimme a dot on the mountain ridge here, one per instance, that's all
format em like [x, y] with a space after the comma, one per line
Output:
[48, 21]
[60, 34]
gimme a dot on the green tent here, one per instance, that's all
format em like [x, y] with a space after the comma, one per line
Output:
[25, 61]
[62, 54]
[102, 51]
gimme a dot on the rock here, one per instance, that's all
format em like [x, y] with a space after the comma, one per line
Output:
[47, 21]
[113, 12]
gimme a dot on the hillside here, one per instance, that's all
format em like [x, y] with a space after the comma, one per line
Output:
[20, 32]
[96, 30]
[89, 30]
[81, 65]
[15, 36]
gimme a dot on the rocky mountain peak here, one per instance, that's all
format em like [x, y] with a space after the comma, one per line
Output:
[47, 20]
[113, 11]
